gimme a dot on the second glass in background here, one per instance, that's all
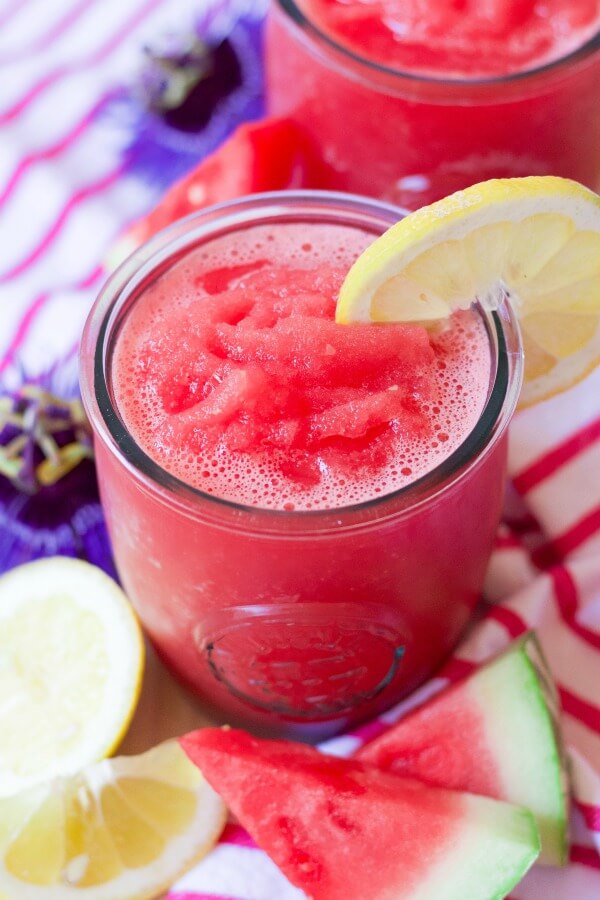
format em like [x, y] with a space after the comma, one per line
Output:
[411, 139]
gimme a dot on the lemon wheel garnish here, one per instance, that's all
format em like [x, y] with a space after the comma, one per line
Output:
[537, 239]
[71, 663]
[122, 828]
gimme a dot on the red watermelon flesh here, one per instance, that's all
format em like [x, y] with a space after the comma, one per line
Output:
[273, 154]
[494, 734]
[342, 830]
[459, 758]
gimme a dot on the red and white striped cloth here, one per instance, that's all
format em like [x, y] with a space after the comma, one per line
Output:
[65, 195]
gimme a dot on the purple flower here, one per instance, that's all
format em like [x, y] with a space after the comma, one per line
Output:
[49, 501]
[195, 85]
[42, 437]
[185, 84]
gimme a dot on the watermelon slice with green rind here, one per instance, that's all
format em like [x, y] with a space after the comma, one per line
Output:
[343, 830]
[496, 734]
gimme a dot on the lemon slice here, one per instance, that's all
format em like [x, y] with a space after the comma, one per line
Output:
[71, 662]
[122, 828]
[536, 239]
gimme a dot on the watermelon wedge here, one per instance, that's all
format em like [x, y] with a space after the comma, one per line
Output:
[495, 734]
[342, 830]
[269, 155]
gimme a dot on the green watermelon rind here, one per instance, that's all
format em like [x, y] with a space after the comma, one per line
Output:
[546, 794]
[516, 701]
[508, 827]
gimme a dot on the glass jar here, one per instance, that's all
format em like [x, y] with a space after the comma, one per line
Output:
[299, 622]
[411, 139]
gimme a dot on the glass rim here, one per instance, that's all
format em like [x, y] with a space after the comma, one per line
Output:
[173, 242]
[307, 25]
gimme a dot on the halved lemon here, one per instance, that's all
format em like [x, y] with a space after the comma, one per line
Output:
[71, 664]
[122, 828]
[536, 239]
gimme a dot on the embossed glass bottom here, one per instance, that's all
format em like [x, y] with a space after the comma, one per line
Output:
[308, 661]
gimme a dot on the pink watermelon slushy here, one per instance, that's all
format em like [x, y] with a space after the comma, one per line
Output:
[301, 511]
[410, 100]
[233, 375]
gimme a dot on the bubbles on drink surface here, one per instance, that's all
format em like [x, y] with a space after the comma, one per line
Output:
[231, 373]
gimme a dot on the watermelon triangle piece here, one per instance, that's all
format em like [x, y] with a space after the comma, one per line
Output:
[495, 733]
[343, 830]
[269, 155]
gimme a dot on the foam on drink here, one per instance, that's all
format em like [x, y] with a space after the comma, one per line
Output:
[230, 373]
